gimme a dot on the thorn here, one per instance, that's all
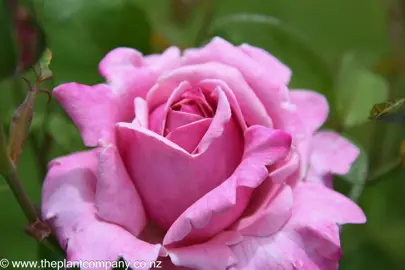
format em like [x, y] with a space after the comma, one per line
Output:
[47, 92]
[28, 83]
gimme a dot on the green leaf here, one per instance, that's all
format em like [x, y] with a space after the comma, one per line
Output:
[4, 188]
[358, 175]
[81, 33]
[357, 90]
[64, 133]
[42, 68]
[390, 111]
[310, 70]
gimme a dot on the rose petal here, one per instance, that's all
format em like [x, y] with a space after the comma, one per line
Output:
[108, 106]
[222, 117]
[270, 219]
[189, 136]
[212, 84]
[251, 107]
[176, 96]
[309, 240]
[332, 153]
[128, 75]
[316, 178]
[222, 205]
[280, 171]
[118, 60]
[112, 103]
[156, 119]
[276, 69]
[311, 112]
[211, 255]
[177, 119]
[116, 198]
[141, 112]
[272, 94]
[95, 124]
[156, 163]
[68, 205]
[169, 59]
[126, 67]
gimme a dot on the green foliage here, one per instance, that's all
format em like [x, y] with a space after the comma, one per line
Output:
[42, 68]
[357, 90]
[309, 67]
[81, 33]
[64, 133]
[390, 111]
[358, 174]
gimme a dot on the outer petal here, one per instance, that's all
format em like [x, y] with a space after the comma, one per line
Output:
[96, 123]
[269, 219]
[211, 255]
[223, 205]
[272, 94]
[68, 205]
[311, 112]
[107, 107]
[128, 75]
[114, 64]
[117, 200]
[120, 62]
[276, 69]
[309, 240]
[169, 59]
[331, 153]
[155, 163]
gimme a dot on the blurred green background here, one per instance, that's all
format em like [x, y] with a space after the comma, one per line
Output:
[351, 51]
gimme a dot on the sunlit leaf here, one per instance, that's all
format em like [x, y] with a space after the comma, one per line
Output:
[357, 90]
[390, 111]
[42, 68]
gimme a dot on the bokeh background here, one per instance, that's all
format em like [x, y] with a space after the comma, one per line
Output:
[351, 51]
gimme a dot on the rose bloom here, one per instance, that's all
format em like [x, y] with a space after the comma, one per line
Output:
[203, 160]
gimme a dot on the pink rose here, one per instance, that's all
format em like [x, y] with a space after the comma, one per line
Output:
[201, 160]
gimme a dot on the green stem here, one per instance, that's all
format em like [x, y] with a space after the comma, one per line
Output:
[9, 173]
[40, 148]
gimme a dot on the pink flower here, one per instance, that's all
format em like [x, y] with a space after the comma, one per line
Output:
[201, 160]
